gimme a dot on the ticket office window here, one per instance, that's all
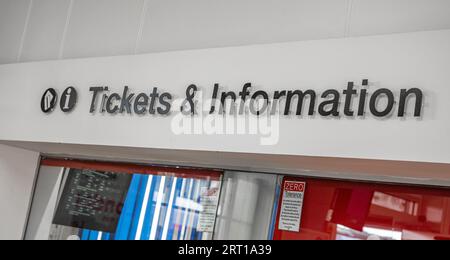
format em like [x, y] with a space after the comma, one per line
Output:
[345, 210]
[100, 201]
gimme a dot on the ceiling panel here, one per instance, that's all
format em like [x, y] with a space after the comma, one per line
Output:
[102, 28]
[111, 27]
[45, 32]
[371, 17]
[181, 24]
[13, 15]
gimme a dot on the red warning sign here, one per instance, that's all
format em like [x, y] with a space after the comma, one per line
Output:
[291, 206]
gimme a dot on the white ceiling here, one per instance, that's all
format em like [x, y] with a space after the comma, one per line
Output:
[32, 30]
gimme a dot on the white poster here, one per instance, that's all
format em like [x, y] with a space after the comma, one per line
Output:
[291, 206]
[209, 198]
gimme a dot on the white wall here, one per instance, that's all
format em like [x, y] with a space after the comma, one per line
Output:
[44, 203]
[392, 61]
[17, 174]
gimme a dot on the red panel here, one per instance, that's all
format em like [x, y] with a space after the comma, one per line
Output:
[133, 168]
[354, 210]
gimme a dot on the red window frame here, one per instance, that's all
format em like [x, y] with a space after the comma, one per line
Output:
[133, 168]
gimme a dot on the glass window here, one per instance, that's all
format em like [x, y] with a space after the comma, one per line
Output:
[105, 202]
[246, 206]
[345, 210]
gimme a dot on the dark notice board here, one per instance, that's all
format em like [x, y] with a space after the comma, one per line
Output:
[92, 200]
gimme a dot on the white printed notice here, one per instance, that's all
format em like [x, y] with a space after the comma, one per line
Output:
[291, 206]
[209, 198]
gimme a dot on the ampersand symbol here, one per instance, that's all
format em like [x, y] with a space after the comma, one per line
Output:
[190, 94]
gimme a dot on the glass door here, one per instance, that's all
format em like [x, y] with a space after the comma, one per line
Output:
[103, 201]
